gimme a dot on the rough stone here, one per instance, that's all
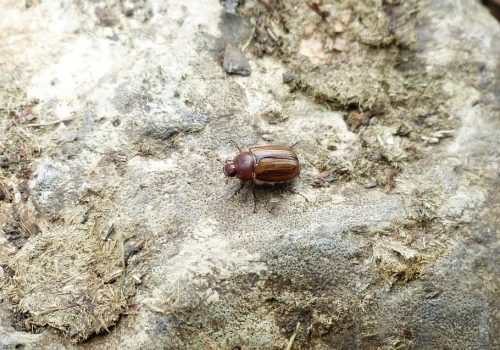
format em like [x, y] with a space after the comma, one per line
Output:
[235, 61]
[138, 246]
[289, 77]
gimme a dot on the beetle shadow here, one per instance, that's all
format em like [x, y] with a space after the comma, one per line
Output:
[264, 194]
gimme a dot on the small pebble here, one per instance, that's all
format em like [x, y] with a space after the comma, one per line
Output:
[288, 77]
[235, 61]
[267, 137]
[371, 184]
[119, 157]
[339, 27]
[231, 5]
[340, 44]
[4, 162]
[309, 30]
[105, 16]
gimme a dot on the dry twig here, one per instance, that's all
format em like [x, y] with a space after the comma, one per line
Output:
[51, 123]
[292, 338]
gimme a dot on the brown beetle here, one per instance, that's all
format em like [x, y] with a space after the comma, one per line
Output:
[269, 164]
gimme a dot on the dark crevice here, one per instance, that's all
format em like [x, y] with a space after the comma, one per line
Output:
[493, 6]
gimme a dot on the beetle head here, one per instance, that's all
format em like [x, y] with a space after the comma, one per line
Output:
[230, 170]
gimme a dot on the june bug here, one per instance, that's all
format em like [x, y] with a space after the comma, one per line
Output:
[270, 164]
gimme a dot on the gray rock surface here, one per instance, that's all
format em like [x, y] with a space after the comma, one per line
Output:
[115, 226]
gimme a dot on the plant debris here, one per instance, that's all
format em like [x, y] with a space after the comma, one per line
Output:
[67, 279]
[391, 180]
[315, 7]
[363, 64]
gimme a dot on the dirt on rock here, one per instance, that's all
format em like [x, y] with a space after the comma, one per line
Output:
[115, 228]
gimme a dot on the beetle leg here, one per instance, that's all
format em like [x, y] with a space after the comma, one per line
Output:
[254, 198]
[242, 184]
[291, 190]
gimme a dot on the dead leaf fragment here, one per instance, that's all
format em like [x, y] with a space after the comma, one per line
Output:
[339, 27]
[345, 18]
[391, 180]
[312, 48]
[339, 45]
[316, 8]
[309, 30]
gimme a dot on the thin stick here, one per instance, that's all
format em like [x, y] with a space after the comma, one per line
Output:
[249, 40]
[156, 309]
[294, 335]
[54, 309]
[111, 229]
[200, 303]
[5, 190]
[51, 123]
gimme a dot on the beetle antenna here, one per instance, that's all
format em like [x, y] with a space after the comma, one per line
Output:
[234, 142]
[218, 159]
